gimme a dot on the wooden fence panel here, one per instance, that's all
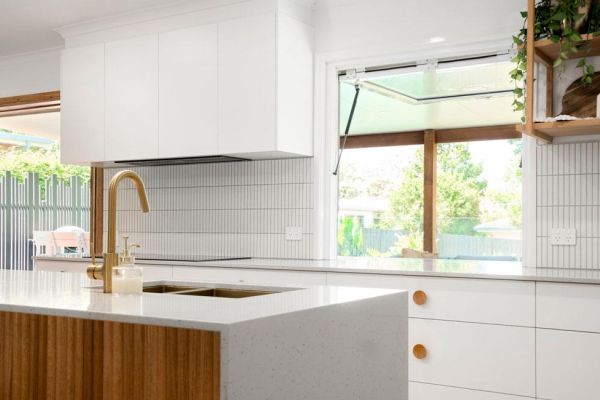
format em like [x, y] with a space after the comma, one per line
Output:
[29, 206]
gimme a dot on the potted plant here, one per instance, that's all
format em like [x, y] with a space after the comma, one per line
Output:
[563, 22]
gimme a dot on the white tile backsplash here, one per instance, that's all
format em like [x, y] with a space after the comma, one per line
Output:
[238, 209]
[568, 196]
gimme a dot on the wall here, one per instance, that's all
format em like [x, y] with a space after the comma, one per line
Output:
[568, 196]
[30, 73]
[229, 209]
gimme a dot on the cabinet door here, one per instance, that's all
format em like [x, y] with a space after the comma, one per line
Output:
[132, 98]
[567, 365]
[247, 85]
[493, 358]
[424, 391]
[568, 306]
[82, 104]
[188, 116]
[456, 299]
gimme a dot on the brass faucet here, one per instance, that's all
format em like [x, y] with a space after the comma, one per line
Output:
[111, 258]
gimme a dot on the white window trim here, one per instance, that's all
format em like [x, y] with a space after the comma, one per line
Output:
[325, 194]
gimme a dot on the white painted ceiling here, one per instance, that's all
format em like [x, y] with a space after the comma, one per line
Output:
[28, 25]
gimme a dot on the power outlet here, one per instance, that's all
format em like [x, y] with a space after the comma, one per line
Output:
[293, 233]
[563, 237]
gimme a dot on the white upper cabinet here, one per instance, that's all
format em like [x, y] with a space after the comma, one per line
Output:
[188, 88]
[239, 86]
[247, 85]
[131, 101]
[265, 87]
[82, 103]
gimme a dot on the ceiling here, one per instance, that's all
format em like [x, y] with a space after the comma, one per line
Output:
[28, 25]
[46, 125]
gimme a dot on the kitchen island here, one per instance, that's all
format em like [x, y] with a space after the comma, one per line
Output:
[63, 338]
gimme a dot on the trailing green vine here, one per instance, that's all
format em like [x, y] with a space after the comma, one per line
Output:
[561, 21]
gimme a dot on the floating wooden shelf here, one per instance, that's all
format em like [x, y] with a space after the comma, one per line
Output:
[565, 128]
[548, 51]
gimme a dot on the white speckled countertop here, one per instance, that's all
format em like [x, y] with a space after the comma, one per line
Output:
[74, 295]
[508, 270]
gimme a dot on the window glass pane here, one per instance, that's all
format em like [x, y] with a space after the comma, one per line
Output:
[380, 110]
[50, 202]
[380, 201]
[479, 200]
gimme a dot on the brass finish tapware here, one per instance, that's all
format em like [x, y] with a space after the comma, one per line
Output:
[111, 258]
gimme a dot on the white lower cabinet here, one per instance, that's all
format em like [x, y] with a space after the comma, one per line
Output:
[568, 365]
[494, 358]
[456, 299]
[250, 276]
[425, 391]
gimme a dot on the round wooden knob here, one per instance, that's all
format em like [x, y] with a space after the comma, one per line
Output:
[419, 351]
[420, 297]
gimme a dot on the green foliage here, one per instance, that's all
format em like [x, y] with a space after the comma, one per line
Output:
[42, 161]
[350, 237]
[555, 20]
[459, 189]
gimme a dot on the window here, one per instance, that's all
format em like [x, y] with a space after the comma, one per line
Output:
[431, 163]
[45, 204]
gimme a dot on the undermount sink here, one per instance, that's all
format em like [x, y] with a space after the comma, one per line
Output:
[164, 288]
[188, 290]
[225, 292]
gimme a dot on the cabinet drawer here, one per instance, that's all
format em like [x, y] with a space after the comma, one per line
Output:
[487, 357]
[250, 276]
[471, 300]
[568, 306]
[567, 365]
[425, 391]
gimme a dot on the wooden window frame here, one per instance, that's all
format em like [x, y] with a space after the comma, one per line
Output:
[429, 139]
[47, 102]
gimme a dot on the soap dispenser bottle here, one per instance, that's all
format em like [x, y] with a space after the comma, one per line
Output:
[127, 277]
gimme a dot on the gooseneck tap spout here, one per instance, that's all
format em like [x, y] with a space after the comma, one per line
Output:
[111, 258]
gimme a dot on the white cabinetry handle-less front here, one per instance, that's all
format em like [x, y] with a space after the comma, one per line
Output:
[188, 92]
[238, 86]
[131, 101]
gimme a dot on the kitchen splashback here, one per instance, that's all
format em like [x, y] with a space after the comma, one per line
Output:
[568, 196]
[238, 209]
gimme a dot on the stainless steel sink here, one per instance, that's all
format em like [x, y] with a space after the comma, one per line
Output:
[226, 292]
[169, 288]
[208, 290]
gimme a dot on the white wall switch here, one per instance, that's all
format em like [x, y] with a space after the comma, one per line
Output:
[563, 237]
[293, 233]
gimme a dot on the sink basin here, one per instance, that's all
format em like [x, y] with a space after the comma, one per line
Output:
[165, 288]
[225, 292]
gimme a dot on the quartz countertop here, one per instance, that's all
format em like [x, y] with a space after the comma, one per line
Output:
[74, 295]
[479, 269]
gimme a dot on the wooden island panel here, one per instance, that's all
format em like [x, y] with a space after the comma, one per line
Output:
[49, 357]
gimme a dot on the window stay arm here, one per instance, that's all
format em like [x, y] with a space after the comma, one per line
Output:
[341, 149]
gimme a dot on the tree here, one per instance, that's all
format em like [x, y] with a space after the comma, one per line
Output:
[45, 162]
[459, 189]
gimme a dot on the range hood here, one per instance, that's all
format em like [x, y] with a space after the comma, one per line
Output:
[181, 161]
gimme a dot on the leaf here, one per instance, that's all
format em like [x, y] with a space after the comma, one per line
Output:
[524, 14]
[581, 63]
[575, 37]
[557, 62]
[559, 16]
